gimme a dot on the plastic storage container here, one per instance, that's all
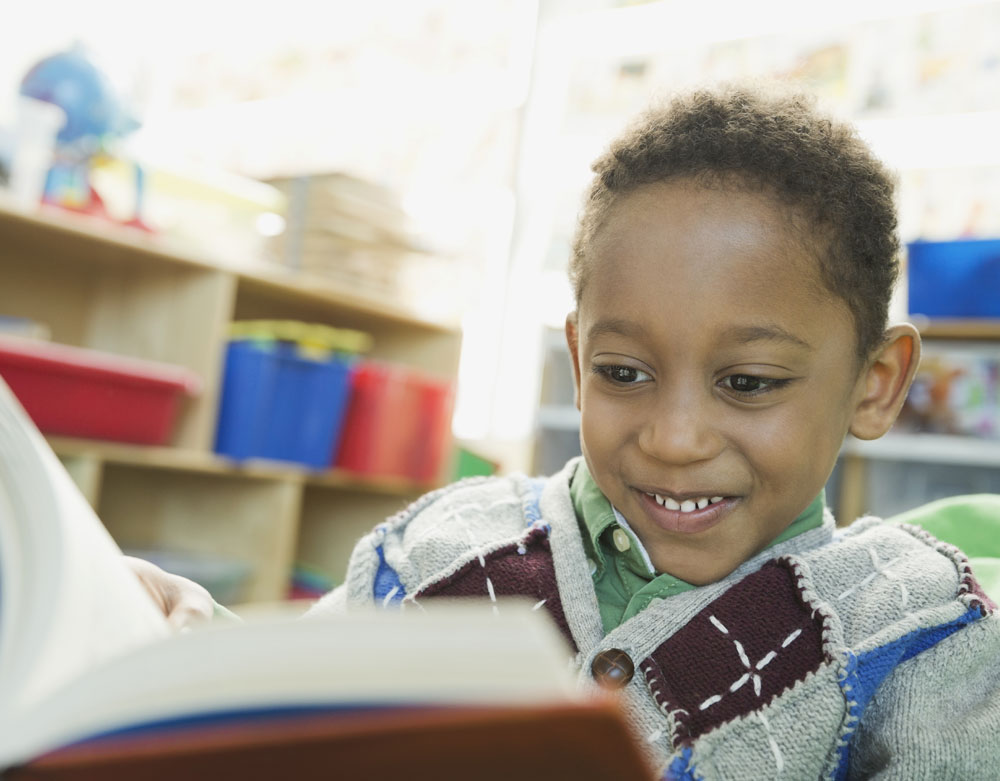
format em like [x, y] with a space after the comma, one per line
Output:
[954, 278]
[284, 392]
[397, 423]
[85, 393]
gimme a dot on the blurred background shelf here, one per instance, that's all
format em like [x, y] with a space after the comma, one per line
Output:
[986, 330]
[928, 449]
[479, 144]
[118, 291]
[71, 449]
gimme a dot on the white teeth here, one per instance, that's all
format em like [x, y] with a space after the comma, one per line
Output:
[688, 505]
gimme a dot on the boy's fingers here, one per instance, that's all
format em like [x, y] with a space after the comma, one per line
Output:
[188, 612]
[153, 580]
[182, 601]
[189, 604]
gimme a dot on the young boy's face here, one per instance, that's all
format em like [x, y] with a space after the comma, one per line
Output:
[711, 364]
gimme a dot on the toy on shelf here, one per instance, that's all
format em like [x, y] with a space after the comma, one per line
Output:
[95, 119]
[956, 391]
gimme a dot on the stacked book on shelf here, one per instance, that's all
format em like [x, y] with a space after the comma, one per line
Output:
[357, 232]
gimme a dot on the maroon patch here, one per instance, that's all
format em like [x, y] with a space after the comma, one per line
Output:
[522, 569]
[745, 648]
[969, 584]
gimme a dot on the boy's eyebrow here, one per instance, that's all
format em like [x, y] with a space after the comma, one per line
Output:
[746, 334]
[615, 326]
[741, 334]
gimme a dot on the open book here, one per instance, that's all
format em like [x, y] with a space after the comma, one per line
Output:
[86, 657]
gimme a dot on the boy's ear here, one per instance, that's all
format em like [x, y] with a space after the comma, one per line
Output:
[886, 382]
[574, 354]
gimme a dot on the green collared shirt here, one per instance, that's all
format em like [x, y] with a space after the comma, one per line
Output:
[624, 579]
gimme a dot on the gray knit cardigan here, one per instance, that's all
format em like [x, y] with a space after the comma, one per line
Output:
[870, 652]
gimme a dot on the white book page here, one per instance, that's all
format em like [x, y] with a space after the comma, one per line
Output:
[451, 654]
[69, 601]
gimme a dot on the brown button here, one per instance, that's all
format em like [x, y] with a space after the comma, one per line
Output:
[612, 669]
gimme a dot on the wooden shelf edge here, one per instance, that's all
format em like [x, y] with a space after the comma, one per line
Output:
[927, 448]
[325, 290]
[200, 462]
[83, 229]
[92, 230]
[972, 329]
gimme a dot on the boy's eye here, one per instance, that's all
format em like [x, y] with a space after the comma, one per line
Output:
[750, 385]
[622, 375]
[744, 383]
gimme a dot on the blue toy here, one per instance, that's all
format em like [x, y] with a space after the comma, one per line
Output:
[95, 117]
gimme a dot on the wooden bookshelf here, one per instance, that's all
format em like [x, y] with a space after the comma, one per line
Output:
[114, 289]
[958, 329]
[920, 448]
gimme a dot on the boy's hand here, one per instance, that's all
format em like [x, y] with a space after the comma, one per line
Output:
[182, 601]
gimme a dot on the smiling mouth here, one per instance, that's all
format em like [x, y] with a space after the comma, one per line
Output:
[686, 505]
[691, 514]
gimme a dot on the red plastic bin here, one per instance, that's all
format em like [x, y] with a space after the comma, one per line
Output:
[77, 392]
[397, 423]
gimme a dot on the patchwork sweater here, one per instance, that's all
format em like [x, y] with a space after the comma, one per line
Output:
[869, 652]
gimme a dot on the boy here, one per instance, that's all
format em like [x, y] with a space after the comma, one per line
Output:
[732, 272]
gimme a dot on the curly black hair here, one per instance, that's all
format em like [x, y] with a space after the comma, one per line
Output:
[763, 137]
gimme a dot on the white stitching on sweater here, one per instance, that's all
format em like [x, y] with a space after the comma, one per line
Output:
[880, 569]
[479, 553]
[751, 675]
[661, 704]
[778, 759]
[766, 660]
[810, 597]
[482, 563]
[388, 597]
[457, 511]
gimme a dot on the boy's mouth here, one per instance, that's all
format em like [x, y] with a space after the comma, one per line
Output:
[685, 505]
[689, 514]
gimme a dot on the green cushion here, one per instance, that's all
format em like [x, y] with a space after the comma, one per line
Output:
[971, 523]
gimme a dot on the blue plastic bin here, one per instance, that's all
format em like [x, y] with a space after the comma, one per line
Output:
[279, 404]
[954, 278]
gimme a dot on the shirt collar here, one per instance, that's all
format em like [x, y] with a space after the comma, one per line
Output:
[593, 511]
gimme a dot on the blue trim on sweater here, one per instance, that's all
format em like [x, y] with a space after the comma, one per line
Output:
[866, 672]
[533, 508]
[386, 579]
[681, 769]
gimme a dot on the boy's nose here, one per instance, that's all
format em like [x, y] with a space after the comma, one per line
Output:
[681, 431]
